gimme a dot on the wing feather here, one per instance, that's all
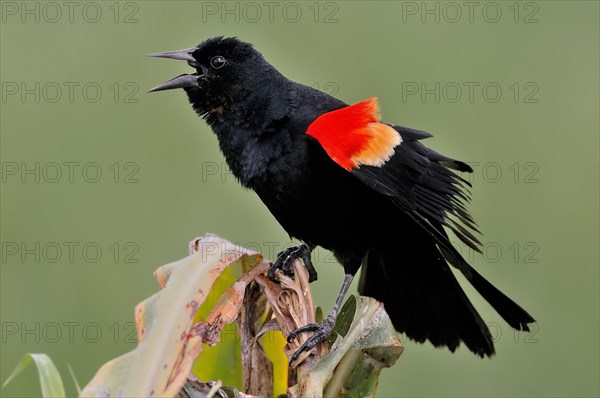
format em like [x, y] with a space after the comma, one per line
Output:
[392, 161]
[423, 184]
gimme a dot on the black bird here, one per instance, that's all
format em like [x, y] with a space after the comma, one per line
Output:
[334, 176]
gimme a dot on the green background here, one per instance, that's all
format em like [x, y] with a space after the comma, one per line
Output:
[535, 147]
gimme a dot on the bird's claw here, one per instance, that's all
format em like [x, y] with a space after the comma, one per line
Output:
[285, 262]
[321, 331]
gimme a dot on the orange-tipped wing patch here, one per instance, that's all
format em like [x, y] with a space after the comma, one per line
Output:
[353, 135]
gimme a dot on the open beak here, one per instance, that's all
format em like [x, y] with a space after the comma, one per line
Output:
[181, 81]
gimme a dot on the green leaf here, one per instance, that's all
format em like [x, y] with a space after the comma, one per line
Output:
[74, 379]
[225, 357]
[366, 343]
[50, 380]
[168, 339]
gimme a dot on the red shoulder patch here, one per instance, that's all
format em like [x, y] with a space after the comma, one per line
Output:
[353, 135]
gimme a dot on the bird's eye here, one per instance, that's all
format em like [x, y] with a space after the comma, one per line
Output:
[217, 62]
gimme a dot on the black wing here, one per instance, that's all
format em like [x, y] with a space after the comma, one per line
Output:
[423, 184]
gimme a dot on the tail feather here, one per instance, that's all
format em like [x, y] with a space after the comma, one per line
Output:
[510, 311]
[425, 301]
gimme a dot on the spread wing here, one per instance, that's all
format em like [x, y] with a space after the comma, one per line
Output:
[391, 160]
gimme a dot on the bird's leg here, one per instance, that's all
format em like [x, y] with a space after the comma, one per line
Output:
[285, 261]
[325, 327]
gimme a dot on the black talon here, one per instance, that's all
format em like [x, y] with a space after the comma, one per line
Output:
[322, 330]
[285, 261]
[311, 327]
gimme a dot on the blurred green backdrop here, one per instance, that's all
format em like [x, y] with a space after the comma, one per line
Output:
[102, 183]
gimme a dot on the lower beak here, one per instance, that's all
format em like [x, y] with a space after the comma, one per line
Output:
[181, 81]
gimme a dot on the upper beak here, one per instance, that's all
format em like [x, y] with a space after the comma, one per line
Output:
[180, 81]
[180, 54]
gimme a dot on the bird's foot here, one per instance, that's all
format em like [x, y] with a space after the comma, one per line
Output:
[285, 261]
[321, 331]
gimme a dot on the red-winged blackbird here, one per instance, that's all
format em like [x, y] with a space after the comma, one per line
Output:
[334, 176]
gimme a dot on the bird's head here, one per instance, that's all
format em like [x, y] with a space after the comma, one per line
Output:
[228, 70]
